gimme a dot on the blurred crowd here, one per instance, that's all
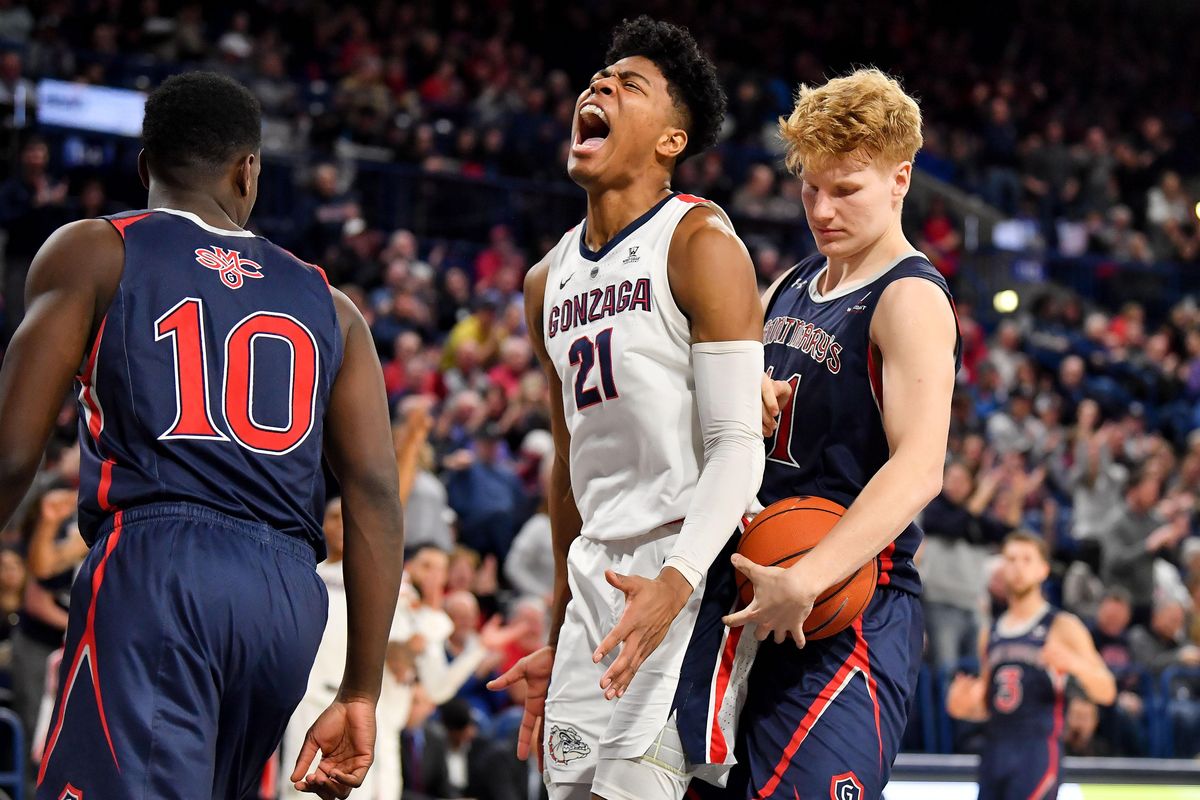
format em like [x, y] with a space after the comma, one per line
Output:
[1071, 420]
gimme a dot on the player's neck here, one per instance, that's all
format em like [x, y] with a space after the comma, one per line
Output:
[868, 262]
[1023, 608]
[208, 208]
[609, 211]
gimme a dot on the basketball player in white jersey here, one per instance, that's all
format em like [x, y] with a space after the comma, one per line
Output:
[647, 321]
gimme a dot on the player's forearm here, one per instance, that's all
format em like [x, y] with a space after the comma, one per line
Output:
[374, 547]
[884, 508]
[729, 405]
[565, 525]
[1097, 683]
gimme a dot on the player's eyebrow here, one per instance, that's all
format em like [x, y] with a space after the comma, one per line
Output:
[625, 74]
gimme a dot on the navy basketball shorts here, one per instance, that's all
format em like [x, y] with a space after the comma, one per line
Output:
[1020, 767]
[190, 640]
[826, 721]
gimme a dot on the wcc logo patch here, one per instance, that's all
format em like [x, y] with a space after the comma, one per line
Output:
[233, 268]
[845, 787]
[566, 745]
[632, 257]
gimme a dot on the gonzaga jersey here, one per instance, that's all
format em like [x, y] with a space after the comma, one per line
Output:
[209, 379]
[622, 349]
[1023, 698]
[830, 441]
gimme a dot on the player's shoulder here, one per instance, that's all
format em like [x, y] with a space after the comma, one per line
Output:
[703, 218]
[1064, 623]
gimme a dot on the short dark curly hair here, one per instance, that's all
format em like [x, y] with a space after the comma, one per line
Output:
[199, 121]
[691, 75]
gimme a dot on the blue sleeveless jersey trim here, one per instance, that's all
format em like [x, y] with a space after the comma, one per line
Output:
[833, 442]
[209, 379]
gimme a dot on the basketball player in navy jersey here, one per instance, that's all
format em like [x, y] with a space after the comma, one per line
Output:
[647, 321]
[1026, 659]
[214, 372]
[864, 333]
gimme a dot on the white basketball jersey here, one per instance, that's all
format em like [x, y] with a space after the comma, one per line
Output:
[622, 349]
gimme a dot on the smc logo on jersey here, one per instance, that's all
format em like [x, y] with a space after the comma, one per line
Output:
[233, 268]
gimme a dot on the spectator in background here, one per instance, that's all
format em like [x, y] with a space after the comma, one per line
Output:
[940, 239]
[426, 572]
[54, 549]
[1135, 537]
[1164, 644]
[485, 495]
[998, 157]
[32, 206]
[754, 197]
[427, 515]
[482, 327]
[1110, 634]
[1016, 429]
[529, 567]
[1095, 479]
[959, 535]
[324, 213]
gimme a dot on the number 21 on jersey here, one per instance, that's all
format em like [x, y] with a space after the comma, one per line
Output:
[183, 324]
[584, 354]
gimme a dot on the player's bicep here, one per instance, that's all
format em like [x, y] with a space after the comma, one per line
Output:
[713, 281]
[358, 436]
[915, 332]
[1074, 635]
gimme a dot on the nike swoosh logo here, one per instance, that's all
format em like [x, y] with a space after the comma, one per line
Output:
[563, 282]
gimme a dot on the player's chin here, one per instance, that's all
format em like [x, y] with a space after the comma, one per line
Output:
[585, 167]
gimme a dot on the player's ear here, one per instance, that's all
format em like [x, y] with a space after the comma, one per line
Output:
[902, 180]
[672, 143]
[143, 169]
[247, 174]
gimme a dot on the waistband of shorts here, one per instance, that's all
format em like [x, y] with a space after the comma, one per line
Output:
[251, 529]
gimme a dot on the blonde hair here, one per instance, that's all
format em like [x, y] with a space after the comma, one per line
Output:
[864, 115]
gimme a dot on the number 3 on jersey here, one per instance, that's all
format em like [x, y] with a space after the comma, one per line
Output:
[184, 326]
[584, 354]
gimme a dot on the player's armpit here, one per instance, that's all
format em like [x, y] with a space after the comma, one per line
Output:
[71, 283]
[358, 445]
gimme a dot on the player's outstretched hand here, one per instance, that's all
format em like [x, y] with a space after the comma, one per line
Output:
[651, 605]
[781, 602]
[534, 671]
[775, 395]
[345, 735]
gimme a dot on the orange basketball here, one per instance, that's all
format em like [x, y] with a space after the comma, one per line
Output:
[781, 535]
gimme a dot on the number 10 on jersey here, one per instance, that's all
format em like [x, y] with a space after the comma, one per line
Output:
[183, 324]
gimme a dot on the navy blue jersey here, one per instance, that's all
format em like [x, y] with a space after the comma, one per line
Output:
[830, 441]
[1024, 700]
[209, 379]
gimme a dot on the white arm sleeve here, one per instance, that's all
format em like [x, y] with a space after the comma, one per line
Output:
[729, 401]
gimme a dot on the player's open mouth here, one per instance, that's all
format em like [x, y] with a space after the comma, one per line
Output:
[592, 129]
